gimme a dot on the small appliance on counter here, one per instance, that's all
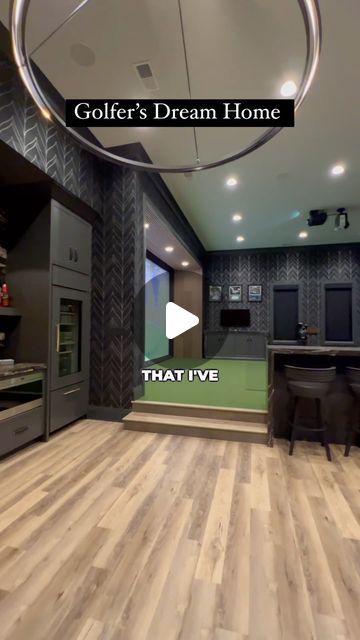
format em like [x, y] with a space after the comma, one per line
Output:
[302, 333]
[6, 364]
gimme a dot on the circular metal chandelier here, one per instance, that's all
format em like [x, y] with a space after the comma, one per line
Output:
[312, 22]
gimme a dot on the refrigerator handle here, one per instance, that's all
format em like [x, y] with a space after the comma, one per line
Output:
[58, 337]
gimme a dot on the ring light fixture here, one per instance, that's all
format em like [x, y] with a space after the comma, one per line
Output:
[312, 22]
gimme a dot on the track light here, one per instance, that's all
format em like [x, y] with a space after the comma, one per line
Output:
[341, 219]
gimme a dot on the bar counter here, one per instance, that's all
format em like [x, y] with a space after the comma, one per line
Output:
[338, 408]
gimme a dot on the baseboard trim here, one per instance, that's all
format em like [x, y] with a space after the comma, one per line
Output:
[108, 414]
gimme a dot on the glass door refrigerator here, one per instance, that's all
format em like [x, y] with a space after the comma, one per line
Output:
[71, 337]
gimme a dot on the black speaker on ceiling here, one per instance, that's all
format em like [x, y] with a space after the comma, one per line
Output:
[317, 217]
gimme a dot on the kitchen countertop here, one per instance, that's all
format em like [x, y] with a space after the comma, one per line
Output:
[309, 349]
[21, 369]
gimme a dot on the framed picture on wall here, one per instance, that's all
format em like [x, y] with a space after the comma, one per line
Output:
[215, 293]
[235, 293]
[255, 293]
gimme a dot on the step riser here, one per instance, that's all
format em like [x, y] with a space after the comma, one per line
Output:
[201, 432]
[211, 413]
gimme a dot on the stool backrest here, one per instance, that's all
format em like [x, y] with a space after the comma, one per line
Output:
[352, 375]
[353, 380]
[302, 374]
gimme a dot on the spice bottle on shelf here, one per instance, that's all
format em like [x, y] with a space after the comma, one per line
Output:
[5, 295]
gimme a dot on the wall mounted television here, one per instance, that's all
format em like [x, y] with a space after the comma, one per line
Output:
[235, 317]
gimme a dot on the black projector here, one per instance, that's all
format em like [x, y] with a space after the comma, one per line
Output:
[317, 217]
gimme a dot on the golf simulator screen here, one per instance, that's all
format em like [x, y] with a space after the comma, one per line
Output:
[157, 295]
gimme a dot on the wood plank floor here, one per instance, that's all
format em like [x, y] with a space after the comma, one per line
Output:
[118, 535]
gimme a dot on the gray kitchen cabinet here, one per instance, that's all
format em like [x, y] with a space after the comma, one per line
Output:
[70, 240]
[247, 345]
[21, 429]
[51, 286]
[68, 404]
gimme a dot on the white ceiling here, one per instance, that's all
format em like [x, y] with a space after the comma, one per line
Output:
[158, 236]
[235, 48]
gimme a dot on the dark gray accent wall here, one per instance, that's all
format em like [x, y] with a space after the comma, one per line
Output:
[308, 266]
[116, 194]
[117, 270]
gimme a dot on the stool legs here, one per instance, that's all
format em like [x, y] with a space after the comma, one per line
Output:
[323, 429]
[352, 430]
[348, 442]
[293, 428]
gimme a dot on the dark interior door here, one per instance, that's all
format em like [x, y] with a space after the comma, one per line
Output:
[338, 314]
[285, 312]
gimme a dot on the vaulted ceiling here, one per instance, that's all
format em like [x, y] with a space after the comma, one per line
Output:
[235, 49]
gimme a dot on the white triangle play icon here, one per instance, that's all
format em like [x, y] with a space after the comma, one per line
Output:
[178, 320]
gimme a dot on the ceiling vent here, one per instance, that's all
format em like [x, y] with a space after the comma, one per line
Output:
[146, 76]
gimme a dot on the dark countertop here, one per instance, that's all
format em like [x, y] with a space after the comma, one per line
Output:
[308, 349]
[22, 369]
[235, 331]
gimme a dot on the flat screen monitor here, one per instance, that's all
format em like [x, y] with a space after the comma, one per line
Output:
[235, 317]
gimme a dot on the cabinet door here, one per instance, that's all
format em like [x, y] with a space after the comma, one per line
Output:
[70, 240]
[70, 337]
[68, 404]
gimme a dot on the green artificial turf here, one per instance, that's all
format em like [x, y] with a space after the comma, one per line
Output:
[242, 384]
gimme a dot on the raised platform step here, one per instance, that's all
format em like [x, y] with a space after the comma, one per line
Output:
[199, 427]
[200, 411]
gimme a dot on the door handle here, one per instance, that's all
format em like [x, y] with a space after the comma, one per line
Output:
[71, 254]
[68, 393]
[58, 337]
[21, 429]
[76, 258]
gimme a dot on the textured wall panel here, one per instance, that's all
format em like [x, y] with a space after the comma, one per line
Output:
[310, 267]
[117, 270]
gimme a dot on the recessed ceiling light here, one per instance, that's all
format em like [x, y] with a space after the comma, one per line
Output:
[288, 89]
[240, 239]
[146, 225]
[303, 234]
[237, 217]
[337, 169]
[231, 181]
[185, 263]
[169, 249]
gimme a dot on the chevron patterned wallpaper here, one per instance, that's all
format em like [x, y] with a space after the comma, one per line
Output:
[309, 267]
[117, 272]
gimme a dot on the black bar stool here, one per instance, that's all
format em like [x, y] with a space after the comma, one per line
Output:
[353, 380]
[314, 384]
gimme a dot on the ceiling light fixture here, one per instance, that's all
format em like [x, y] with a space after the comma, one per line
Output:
[237, 217]
[341, 219]
[169, 249]
[146, 225]
[185, 263]
[288, 89]
[240, 239]
[312, 22]
[303, 235]
[337, 170]
[231, 182]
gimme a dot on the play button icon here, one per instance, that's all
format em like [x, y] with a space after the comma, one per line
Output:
[178, 320]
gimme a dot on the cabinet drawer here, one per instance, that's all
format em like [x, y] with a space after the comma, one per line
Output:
[17, 431]
[68, 404]
[70, 240]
